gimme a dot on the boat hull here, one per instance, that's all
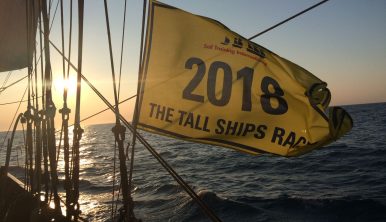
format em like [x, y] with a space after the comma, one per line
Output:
[17, 204]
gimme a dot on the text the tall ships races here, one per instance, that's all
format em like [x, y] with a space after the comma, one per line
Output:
[196, 121]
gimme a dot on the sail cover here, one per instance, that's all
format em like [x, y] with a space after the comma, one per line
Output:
[205, 83]
[14, 30]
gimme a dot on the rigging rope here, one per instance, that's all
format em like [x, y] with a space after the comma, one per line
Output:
[9, 146]
[119, 92]
[113, 108]
[50, 112]
[113, 190]
[111, 61]
[288, 19]
[36, 72]
[119, 134]
[26, 158]
[13, 119]
[95, 114]
[122, 43]
[36, 117]
[28, 114]
[49, 15]
[6, 80]
[183, 184]
[180, 181]
[9, 103]
[65, 111]
[46, 177]
[73, 207]
[63, 61]
[101, 111]
[42, 58]
[3, 88]
[139, 84]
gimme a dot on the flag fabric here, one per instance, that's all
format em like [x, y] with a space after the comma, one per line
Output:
[15, 50]
[205, 83]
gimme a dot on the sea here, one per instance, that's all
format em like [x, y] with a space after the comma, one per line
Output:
[344, 181]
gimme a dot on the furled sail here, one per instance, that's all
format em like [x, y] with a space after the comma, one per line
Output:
[17, 24]
[205, 83]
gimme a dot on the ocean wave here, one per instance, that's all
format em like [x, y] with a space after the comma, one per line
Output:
[350, 208]
[282, 208]
[225, 209]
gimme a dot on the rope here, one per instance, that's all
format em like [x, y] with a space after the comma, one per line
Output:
[111, 61]
[139, 84]
[3, 88]
[13, 119]
[70, 42]
[5, 80]
[35, 116]
[45, 160]
[288, 19]
[9, 146]
[63, 61]
[174, 174]
[119, 134]
[65, 111]
[36, 64]
[180, 181]
[50, 112]
[28, 57]
[62, 111]
[12, 84]
[102, 111]
[115, 96]
[60, 143]
[42, 57]
[78, 131]
[123, 40]
[80, 51]
[56, 9]
[113, 191]
[28, 114]
[30, 148]
[46, 177]
[26, 159]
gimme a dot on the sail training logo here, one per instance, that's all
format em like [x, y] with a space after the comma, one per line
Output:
[238, 43]
[252, 51]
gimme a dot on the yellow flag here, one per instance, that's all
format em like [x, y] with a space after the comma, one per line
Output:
[205, 83]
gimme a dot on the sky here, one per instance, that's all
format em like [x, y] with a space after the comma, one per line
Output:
[343, 42]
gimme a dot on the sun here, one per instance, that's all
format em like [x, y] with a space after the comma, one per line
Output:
[70, 83]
